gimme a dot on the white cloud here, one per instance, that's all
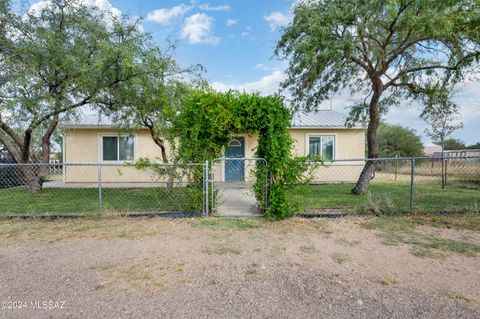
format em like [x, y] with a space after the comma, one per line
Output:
[198, 30]
[263, 67]
[247, 33]
[266, 85]
[100, 6]
[408, 112]
[103, 5]
[165, 16]
[231, 22]
[207, 7]
[277, 20]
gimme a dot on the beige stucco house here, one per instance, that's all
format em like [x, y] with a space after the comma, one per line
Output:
[316, 133]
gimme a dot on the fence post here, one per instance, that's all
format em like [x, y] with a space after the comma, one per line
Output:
[100, 199]
[443, 169]
[396, 166]
[205, 188]
[412, 183]
[446, 172]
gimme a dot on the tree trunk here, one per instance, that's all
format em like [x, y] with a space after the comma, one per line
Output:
[35, 175]
[170, 170]
[45, 170]
[33, 178]
[368, 171]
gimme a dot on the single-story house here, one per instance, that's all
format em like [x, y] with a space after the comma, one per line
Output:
[317, 133]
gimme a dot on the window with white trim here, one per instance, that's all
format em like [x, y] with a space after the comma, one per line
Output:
[322, 145]
[118, 148]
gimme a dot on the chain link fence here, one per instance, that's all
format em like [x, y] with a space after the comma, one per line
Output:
[99, 189]
[399, 185]
[231, 187]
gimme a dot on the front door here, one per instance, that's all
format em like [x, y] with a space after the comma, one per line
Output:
[235, 169]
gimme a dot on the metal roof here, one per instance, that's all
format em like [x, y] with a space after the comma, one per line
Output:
[314, 119]
[90, 120]
[319, 119]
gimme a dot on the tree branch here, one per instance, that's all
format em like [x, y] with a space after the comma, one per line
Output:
[10, 147]
[430, 67]
[8, 130]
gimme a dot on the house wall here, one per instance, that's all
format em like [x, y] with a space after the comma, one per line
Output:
[83, 146]
[349, 144]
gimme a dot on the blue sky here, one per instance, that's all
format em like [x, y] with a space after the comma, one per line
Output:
[237, 46]
[234, 41]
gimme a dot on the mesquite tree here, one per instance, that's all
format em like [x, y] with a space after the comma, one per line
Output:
[155, 96]
[53, 61]
[443, 117]
[382, 50]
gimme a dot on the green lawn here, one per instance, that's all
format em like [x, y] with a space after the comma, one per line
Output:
[84, 201]
[386, 197]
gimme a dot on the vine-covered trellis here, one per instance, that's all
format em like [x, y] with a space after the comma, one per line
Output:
[208, 121]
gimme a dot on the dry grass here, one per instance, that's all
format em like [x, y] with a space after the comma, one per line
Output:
[150, 276]
[322, 226]
[461, 297]
[135, 232]
[404, 230]
[347, 243]
[226, 223]
[252, 269]
[340, 258]
[389, 281]
[277, 251]
[222, 250]
[68, 229]
[308, 249]
[469, 221]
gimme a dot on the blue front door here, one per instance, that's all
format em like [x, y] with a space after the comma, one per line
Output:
[235, 169]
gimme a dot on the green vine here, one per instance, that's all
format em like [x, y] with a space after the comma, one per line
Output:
[208, 121]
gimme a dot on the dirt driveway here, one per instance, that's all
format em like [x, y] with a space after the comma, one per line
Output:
[228, 268]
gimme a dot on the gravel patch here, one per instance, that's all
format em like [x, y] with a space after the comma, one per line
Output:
[178, 269]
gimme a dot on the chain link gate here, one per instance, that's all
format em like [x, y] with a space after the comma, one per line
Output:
[236, 187]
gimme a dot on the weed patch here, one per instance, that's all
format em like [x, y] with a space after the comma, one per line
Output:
[347, 243]
[340, 258]
[135, 232]
[226, 224]
[308, 249]
[389, 282]
[402, 230]
[222, 250]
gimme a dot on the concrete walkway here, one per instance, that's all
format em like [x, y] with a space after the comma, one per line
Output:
[236, 199]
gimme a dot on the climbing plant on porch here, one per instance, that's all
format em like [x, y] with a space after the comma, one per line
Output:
[208, 121]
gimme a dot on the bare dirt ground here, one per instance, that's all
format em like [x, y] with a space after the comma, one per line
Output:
[220, 268]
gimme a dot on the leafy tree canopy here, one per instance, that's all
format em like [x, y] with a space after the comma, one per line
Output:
[154, 97]
[453, 144]
[475, 146]
[55, 60]
[396, 140]
[441, 114]
[381, 50]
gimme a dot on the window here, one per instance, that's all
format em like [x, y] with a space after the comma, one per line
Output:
[322, 145]
[235, 143]
[118, 148]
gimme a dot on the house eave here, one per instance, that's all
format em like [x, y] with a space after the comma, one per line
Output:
[94, 127]
[117, 127]
[326, 128]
